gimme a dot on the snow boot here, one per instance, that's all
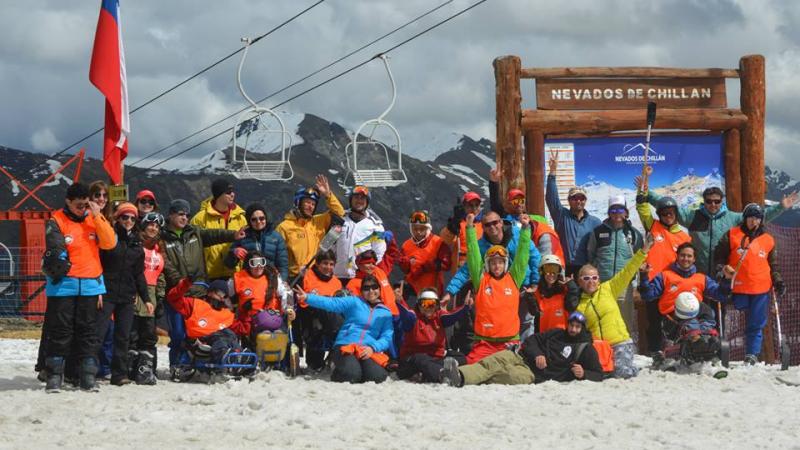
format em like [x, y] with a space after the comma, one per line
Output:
[133, 364]
[145, 372]
[55, 374]
[750, 360]
[658, 360]
[88, 371]
[450, 373]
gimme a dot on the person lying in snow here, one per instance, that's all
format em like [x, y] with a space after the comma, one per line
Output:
[558, 354]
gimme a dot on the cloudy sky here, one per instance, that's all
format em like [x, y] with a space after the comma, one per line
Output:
[445, 78]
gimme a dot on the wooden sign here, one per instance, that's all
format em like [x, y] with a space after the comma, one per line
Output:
[118, 193]
[617, 93]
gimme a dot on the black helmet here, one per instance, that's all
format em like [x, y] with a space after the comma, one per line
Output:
[753, 210]
[666, 202]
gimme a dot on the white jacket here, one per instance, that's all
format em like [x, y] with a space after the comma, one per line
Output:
[356, 238]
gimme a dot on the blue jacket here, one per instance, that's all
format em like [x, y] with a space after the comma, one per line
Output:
[268, 242]
[652, 290]
[461, 278]
[363, 324]
[572, 232]
[70, 286]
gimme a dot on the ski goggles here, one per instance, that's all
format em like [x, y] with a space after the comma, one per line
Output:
[153, 217]
[517, 201]
[258, 261]
[428, 303]
[577, 316]
[617, 211]
[420, 217]
[497, 251]
[362, 190]
[551, 268]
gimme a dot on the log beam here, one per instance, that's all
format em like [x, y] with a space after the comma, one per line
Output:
[509, 135]
[593, 122]
[753, 104]
[534, 172]
[627, 72]
[733, 174]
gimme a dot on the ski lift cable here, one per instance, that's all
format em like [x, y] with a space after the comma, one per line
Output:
[322, 83]
[295, 83]
[202, 71]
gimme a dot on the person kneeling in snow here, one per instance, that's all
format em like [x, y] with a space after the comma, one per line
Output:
[364, 338]
[210, 320]
[558, 354]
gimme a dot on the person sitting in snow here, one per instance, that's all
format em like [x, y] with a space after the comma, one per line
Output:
[690, 332]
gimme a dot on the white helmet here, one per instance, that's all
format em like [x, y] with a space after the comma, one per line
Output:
[551, 259]
[686, 306]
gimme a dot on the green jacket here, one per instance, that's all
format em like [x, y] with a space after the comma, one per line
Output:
[706, 230]
[609, 249]
[157, 294]
[518, 267]
[184, 254]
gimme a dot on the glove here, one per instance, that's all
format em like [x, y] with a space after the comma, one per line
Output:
[530, 301]
[388, 236]
[780, 288]
[240, 253]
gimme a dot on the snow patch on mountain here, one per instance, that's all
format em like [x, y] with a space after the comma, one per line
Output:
[464, 173]
[427, 148]
[489, 161]
[213, 162]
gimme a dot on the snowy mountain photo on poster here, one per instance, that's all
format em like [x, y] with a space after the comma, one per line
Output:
[683, 165]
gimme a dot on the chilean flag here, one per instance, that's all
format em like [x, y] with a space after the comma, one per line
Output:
[107, 74]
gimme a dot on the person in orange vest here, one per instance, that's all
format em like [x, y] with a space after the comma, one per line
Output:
[425, 256]
[748, 254]
[681, 276]
[455, 234]
[366, 336]
[211, 320]
[367, 265]
[261, 285]
[547, 301]
[320, 327]
[497, 291]
[74, 237]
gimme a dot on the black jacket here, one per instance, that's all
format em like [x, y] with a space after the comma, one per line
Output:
[552, 344]
[123, 268]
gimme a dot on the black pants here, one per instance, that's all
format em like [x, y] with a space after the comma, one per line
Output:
[68, 321]
[428, 366]
[123, 321]
[350, 369]
[320, 329]
[654, 334]
[464, 328]
[143, 335]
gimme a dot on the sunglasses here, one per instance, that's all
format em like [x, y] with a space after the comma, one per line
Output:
[126, 217]
[713, 201]
[370, 287]
[616, 211]
[493, 223]
[590, 277]
[577, 198]
[229, 191]
[258, 219]
[517, 201]
[668, 212]
[551, 269]
[100, 195]
[81, 205]
[147, 201]
[427, 303]
[257, 262]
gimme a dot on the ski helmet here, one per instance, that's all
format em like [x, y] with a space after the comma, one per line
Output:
[495, 251]
[362, 190]
[307, 192]
[665, 203]
[577, 316]
[686, 306]
[267, 320]
[753, 210]
[550, 259]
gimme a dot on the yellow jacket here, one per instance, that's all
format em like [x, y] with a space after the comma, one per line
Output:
[601, 310]
[208, 217]
[303, 236]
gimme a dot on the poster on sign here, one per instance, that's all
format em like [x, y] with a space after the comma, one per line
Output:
[683, 166]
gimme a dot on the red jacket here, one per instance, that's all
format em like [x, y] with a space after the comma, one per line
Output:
[423, 335]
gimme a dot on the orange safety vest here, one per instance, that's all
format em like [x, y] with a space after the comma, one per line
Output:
[755, 274]
[665, 248]
[552, 311]
[674, 284]
[206, 320]
[312, 284]
[424, 255]
[387, 293]
[82, 245]
[254, 290]
[497, 309]
[540, 229]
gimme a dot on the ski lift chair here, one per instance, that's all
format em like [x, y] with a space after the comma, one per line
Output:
[6, 268]
[248, 166]
[378, 177]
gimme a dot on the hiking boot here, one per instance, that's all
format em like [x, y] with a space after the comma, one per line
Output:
[450, 373]
[88, 371]
[55, 374]
[750, 360]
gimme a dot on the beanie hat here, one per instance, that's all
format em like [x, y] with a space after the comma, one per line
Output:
[179, 205]
[219, 187]
[126, 207]
[218, 285]
[252, 208]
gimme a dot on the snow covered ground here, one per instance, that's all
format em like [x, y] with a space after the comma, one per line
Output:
[749, 409]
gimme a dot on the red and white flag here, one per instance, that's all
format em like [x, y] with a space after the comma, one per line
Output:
[107, 74]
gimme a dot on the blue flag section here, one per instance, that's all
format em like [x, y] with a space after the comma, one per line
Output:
[682, 167]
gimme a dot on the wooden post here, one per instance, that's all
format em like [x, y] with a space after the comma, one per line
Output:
[733, 174]
[753, 104]
[534, 172]
[507, 71]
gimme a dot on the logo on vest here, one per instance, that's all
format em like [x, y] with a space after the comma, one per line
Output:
[673, 287]
[248, 292]
[559, 312]
[488, 290]
[762, 254]
[202, 323]
[566, 351]
[507, 291]
[92, 237]
[68, 239]
[658, 237]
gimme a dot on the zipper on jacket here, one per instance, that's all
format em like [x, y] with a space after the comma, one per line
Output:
[369, 323]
